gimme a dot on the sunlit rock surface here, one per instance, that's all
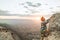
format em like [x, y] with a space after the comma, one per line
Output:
[54, 25]
[6, 34]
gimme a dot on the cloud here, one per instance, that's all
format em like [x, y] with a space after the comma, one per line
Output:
[33, 5]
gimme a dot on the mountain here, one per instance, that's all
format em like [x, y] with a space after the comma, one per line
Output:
[54, 25]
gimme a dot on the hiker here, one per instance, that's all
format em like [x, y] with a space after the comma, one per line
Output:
[44, 31]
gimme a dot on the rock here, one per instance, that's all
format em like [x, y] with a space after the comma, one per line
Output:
[54, 25]
[6, 34]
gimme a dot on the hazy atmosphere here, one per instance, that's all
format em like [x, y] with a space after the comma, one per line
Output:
[25, 19]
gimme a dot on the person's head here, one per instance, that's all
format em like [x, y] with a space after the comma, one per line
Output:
[42, 18]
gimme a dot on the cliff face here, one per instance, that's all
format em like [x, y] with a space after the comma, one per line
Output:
[54, 25]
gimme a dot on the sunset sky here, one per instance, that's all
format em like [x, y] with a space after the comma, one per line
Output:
[30, 7]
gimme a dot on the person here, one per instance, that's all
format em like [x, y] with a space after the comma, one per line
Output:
[44, 31]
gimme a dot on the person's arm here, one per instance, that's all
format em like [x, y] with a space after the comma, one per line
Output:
[47, 21]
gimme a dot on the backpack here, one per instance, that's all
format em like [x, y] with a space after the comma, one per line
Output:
[43, 29]
[44, 32]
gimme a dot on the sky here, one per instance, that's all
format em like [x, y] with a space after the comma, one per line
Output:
[30, 7]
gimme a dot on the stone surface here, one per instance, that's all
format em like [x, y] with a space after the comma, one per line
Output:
[54, 25]
[6, 34]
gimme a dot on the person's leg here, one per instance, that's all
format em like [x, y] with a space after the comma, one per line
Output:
[46, 38]
[42, 38]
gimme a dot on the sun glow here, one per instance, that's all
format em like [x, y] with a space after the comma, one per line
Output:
[38, 18]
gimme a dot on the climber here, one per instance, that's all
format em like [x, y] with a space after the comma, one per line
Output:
[44, 31]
